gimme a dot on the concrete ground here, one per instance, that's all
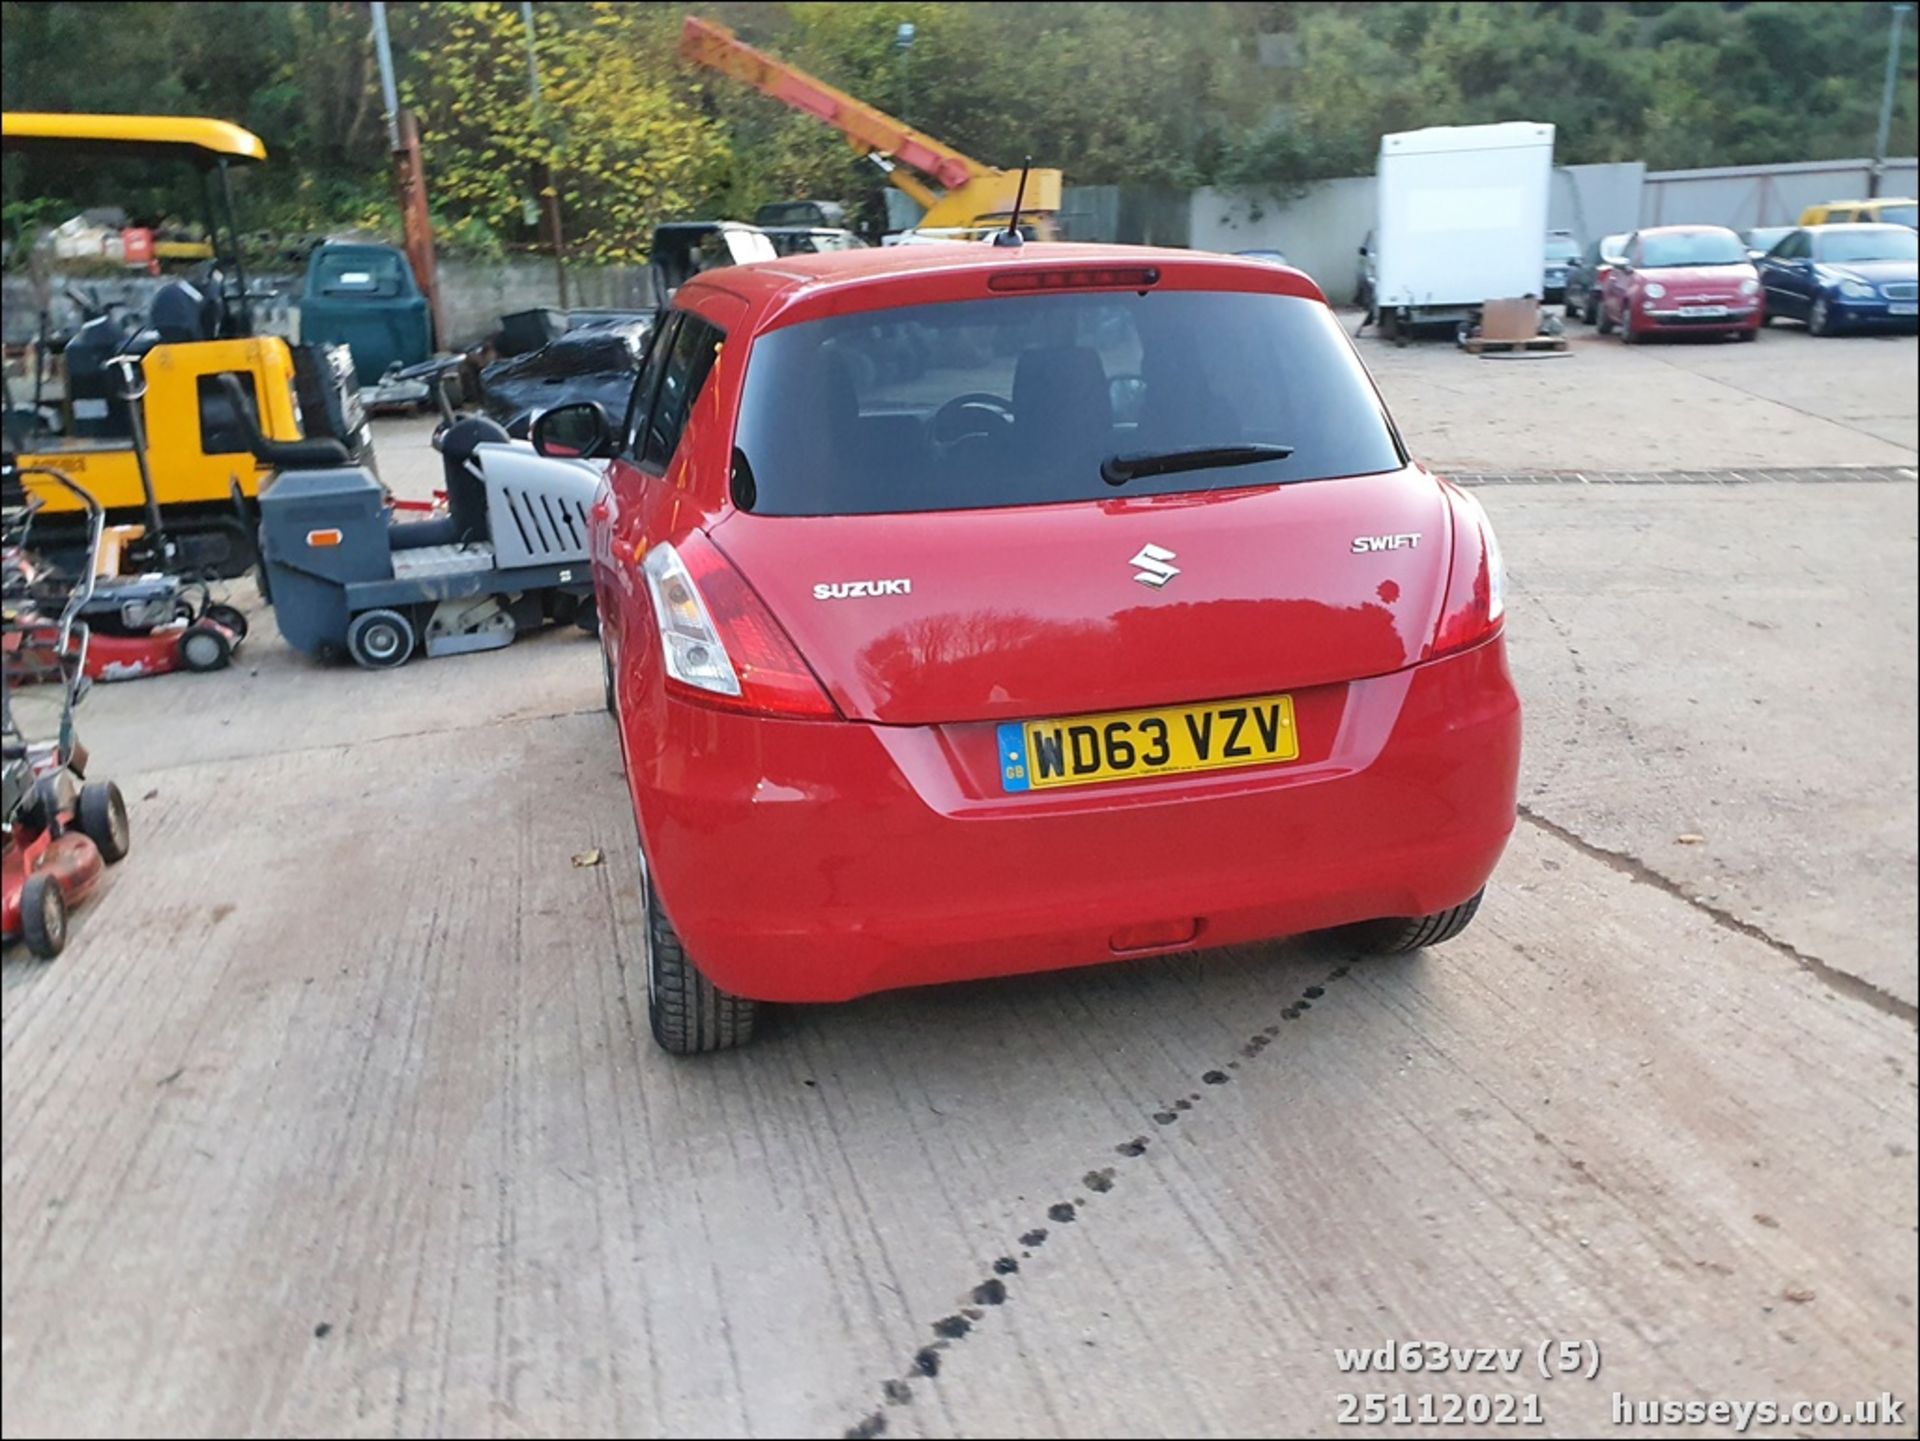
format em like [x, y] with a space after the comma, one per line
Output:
[339, 1115]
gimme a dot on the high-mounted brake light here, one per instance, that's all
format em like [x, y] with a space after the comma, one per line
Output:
[1476, 583]
[1087, 277]
[720, 643]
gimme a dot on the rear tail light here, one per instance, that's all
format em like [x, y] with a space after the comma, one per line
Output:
[1085, 277]
[1476, 582]
[720, 643]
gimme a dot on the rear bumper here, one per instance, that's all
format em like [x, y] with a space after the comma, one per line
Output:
[820, 861]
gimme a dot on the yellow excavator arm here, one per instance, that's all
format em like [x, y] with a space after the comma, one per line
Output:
[957, 191]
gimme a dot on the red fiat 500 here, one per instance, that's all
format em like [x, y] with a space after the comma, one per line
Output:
[971, 610]
[1683, 278]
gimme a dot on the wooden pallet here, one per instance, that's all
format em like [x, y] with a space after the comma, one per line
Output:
[1479, 344]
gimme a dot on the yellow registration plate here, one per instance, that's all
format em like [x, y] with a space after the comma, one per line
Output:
[1127, 745]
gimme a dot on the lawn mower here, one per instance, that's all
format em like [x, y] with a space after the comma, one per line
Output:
[137, 625]
[346, 577]
[58, 830]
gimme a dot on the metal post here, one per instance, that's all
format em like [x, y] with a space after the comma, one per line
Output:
[383, 48]
[903, 42]
[533, 66]
[1886, 101]
[409, 177]
[546, 185]
[416, 221]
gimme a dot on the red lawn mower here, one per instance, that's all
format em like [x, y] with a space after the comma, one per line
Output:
[137, 625]
[58, 830]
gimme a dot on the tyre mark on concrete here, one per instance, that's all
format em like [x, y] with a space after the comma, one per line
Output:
[992, 1290]
[1826, 972]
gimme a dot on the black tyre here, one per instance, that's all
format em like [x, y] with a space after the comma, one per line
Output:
[43, 916]
[606, 684]
[231, 616]
[1603, 322]
[588, 616]
[103, 819]
[1820, 318]
[1412, 933]
[689, 1014]
[202, 648]
[380, 639]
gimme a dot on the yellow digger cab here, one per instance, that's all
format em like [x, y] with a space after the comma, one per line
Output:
[185, 336]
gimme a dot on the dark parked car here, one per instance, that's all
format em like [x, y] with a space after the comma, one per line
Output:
[595, 361]
[1562, 251]
[1587, 275]
[1763, 238]
[1839, 276]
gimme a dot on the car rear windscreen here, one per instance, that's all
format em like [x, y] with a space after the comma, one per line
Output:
[1020, 400]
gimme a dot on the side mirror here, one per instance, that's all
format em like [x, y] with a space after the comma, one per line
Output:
[575, 432]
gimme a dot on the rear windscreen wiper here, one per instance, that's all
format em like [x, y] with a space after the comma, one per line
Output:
[1119, 469]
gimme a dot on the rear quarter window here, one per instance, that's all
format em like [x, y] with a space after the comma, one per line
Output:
[1018, 400]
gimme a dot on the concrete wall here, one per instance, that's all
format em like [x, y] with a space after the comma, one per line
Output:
[473, 296]
[1742, 196]
[1320, 231]
[1595, 200]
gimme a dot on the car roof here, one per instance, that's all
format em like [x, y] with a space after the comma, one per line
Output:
[1875, 225]
[792, 288]
[1681, 229]
[764, 281]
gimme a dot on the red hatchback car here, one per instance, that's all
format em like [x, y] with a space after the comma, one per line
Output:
[971, 610]
[1696, 279]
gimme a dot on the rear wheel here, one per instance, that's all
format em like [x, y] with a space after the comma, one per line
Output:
[1395, 937]
[103, 819]
[43, 916]
[606, 683]
[380, 639]
[203, 648]
[1604, 321]
[231, 616]
[689, 1014]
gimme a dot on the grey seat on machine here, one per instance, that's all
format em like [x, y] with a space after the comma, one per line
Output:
[460, 541]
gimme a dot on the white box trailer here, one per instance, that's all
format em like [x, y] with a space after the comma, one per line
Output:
[1462, 220]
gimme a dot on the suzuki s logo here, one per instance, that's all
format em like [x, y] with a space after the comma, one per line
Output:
[1404, 541]
[848, 589]
[1151, 568]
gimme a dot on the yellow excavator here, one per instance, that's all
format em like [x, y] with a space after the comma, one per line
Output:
[157, 375]
[959, 194]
